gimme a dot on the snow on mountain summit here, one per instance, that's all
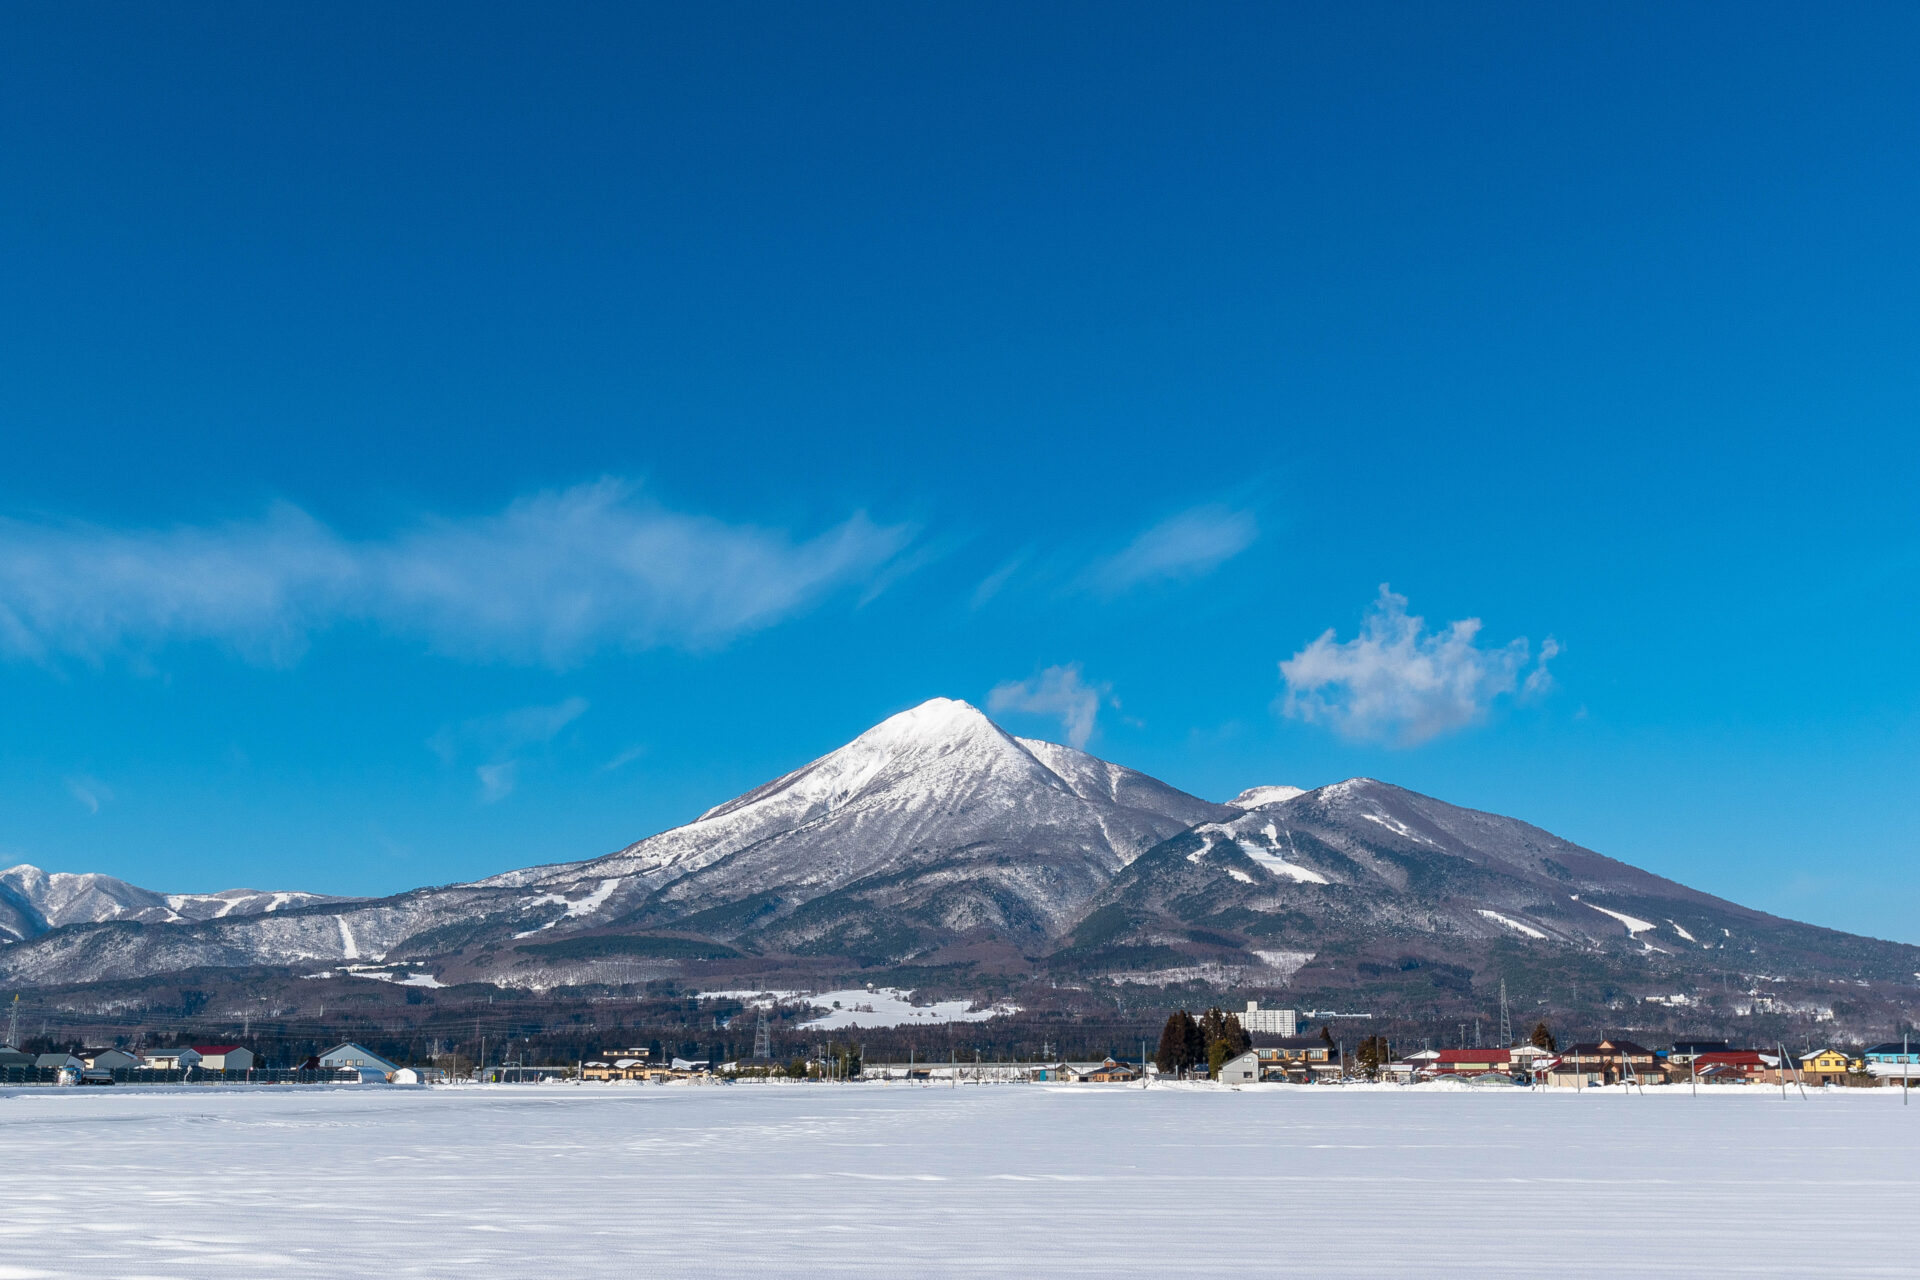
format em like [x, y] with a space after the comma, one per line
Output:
[913, 799]
[1258, 797]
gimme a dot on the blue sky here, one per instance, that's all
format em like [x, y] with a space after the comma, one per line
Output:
[437, 447]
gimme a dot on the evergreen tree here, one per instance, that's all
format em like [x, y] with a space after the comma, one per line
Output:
[1543, 1038]
[1219, 1025]
[1217, 1056]
[1181, 1044]
[1372, 1055]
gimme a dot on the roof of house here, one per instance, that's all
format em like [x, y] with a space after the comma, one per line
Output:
[214, 1050]
[1448, 1057]
[1733, 1058]
[360, 1049]
[1590, 1049]
[1894, 1046]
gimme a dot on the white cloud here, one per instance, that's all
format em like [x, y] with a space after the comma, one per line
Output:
[1057, 691]
[624, 758]
[990, 585]
[1539, 681]
[90, 792]
[499, 740]
[1396, 683]
[1187, 545]
[497, 780]
[552, 578]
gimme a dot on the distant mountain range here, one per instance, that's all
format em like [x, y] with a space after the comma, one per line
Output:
[936, 841]
[34, 902]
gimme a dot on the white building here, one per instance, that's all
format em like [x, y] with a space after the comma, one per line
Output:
[224, 1057]
[110, 1059]
[1244, 1069]
[1272, 1022]
[170, 1059]
[353, 1057]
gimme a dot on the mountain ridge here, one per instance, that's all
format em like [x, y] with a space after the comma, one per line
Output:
[938, 840]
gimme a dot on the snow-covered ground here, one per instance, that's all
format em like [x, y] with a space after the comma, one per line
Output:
[813, 1180]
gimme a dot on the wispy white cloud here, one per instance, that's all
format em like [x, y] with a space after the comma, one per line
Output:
[89, 791]
[624, 758]
[497, 780]
[989, 586]
[499, 741]
[552, 578]
[1399, 684]
[1190, 544]
[1057, 691]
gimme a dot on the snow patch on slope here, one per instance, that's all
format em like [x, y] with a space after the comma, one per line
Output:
[1511, 923]
[584, 907]
[1634, 923]
[892, 1007]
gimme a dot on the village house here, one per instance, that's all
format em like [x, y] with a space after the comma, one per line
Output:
[14, 1058]
[1895, 1060]
[1685, 1051]
[1244, 1069]
[1472, 1062]
[110, 1059]
[224, 1057]
[353, 1057]
[1111, 1071]
[1526, 1057]
[1602, 1063]
[170, 1059]
[619, 1064]
[1735, 1066]
[1301, 1059]
[1825, 1066]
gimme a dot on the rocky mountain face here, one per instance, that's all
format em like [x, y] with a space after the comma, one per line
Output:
[939, 842]
[1362, 873]
[33, 902]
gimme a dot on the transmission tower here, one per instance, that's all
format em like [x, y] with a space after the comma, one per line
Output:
[1506, 1023]
[13, 1023]
[762, 1042]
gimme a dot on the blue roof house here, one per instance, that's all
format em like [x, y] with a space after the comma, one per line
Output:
[1894, 1059]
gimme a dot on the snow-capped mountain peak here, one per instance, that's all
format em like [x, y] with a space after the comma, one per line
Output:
[1259, 797]
[934, 786]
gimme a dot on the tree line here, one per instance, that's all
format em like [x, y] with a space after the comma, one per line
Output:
[1210, 1040]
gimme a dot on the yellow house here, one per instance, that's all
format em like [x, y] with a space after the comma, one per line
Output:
[1824, 1066]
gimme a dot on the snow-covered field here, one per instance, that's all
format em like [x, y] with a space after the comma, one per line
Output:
[901, 1180]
